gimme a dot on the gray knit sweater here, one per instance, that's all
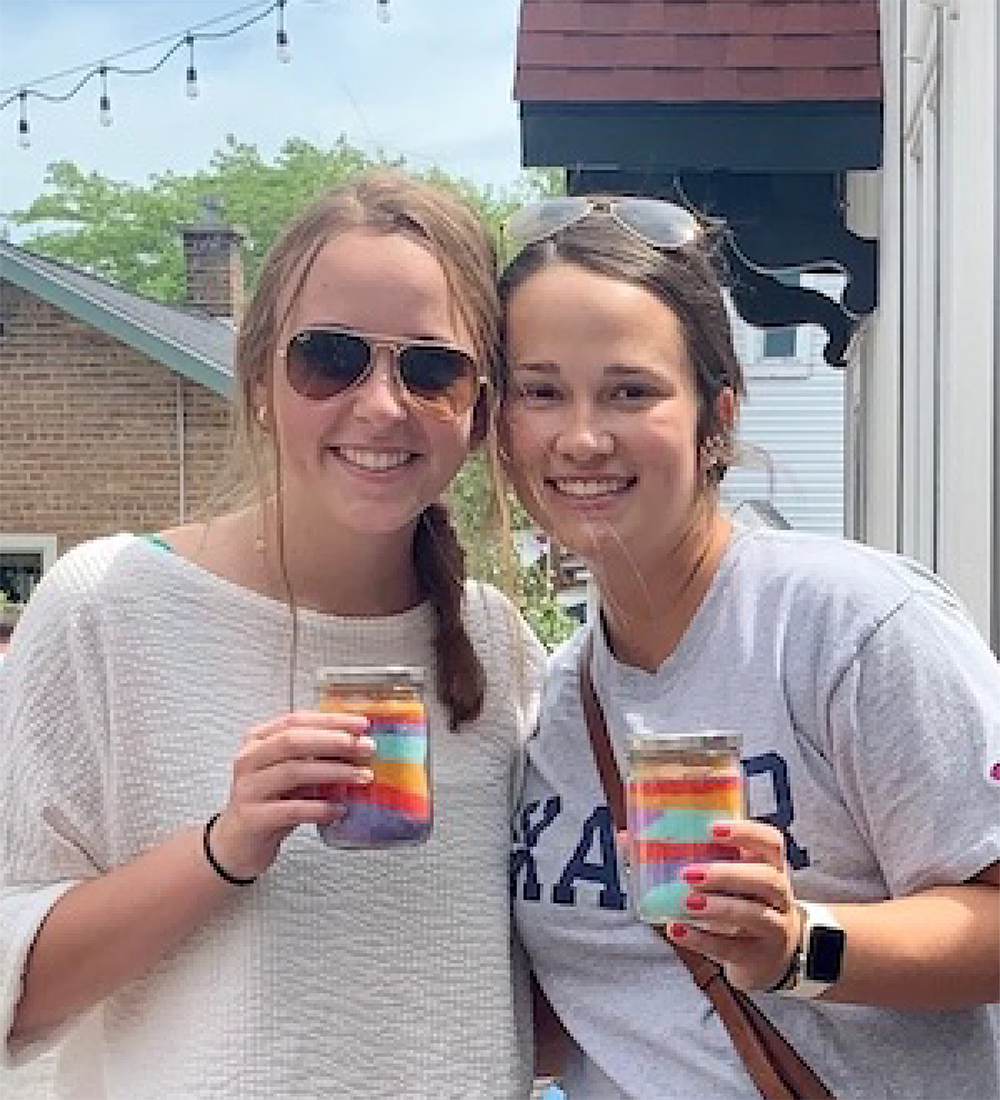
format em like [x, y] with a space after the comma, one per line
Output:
[132, 679]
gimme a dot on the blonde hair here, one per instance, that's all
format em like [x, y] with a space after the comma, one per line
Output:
[382, 201]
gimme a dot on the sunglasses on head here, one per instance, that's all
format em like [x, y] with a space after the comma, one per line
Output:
[324, 361]
[658, 222]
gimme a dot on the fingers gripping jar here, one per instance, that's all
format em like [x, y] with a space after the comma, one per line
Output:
[678, 785]
[397, 808]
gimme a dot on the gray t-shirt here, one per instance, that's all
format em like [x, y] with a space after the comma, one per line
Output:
[870, 712]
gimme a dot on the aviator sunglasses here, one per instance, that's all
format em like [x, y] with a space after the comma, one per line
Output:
[324, 361]
[658, 222]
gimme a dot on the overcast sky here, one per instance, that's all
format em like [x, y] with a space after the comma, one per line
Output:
[434, 84]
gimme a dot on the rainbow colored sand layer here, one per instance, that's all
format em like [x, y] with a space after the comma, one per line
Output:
[398, 806]
[671, 809]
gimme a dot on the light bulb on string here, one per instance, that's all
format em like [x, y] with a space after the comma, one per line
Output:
[284, 49]
[23, 134]
[191, 83]
[382, 10]
[105, 98]
[192, 89]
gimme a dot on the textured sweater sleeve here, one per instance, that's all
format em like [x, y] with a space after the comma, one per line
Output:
[52, 802]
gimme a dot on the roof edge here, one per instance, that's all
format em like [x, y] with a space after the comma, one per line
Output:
[112, 323]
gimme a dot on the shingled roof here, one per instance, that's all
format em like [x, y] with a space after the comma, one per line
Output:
[681, 51]
[188, 341]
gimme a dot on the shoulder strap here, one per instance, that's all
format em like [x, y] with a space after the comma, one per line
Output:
[772, 1062]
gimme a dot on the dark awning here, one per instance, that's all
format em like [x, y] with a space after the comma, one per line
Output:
[756, 108]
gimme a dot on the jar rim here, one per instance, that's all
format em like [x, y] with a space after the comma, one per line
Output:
[658, 744]
[375, 675]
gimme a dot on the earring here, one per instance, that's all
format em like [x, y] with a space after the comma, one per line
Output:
[712, 455]
[262, 416]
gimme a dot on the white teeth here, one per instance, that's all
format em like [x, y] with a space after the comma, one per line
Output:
[374, 460]
[592, 487]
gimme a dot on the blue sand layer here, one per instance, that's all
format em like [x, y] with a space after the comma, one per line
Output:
[681, 825]
[662, 903]
[401, 746]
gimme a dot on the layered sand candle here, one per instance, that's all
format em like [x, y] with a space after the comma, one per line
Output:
[397, 807]
[677, 787]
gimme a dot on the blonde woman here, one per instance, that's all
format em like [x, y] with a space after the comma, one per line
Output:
[166, 901]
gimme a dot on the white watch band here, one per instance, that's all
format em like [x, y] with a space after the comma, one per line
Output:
[817, 922]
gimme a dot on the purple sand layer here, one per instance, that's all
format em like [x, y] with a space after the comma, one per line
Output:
[366, 825]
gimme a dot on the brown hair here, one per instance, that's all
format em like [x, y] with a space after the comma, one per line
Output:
[685, 279]
[383, 201]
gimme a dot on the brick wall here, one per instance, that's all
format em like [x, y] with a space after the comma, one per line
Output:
[88, 430]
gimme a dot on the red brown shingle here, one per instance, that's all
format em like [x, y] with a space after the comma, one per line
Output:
[684, 50]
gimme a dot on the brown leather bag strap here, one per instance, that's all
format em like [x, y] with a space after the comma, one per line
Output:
[604, 756]
[772, 1062]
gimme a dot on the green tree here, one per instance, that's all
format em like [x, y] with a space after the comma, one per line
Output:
[491, 558]
[130, 235]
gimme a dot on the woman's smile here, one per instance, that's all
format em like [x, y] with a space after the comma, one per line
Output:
[591, 488]
[588, 496]
[374, 461]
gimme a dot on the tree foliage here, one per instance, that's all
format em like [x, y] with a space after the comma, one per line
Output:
[491, 557]
[130, 235]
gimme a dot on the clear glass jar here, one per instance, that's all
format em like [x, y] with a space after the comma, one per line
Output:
[398, 807]
[678, 785]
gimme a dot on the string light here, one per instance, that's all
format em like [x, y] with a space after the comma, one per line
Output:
[284, 49]
[105, 98]
[23, 136]
[191, 80]
[102, 68]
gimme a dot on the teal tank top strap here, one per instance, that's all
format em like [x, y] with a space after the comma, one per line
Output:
[158, 540]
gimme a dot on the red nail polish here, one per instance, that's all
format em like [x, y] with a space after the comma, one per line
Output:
[721, 830]
[693, 874]
[695, 902]
[678, 931]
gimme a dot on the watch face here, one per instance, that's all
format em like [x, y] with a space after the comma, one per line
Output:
[826, 949]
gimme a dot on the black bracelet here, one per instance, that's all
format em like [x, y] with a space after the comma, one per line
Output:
[786, 979]
[216, 865]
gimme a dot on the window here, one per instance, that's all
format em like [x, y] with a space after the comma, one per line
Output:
[779, 343]
[23, 560]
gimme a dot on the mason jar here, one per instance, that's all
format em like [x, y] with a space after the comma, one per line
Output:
[678, 786]
[398, 806]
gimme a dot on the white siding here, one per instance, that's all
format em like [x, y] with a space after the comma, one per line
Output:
[799, 423]
[793, 418]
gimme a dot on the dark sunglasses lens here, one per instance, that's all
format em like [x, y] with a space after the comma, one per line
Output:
[439, 376]
[322, 364]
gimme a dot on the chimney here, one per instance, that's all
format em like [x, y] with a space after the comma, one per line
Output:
[213, 263]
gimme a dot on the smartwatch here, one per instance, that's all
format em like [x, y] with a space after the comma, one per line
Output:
[816, 961]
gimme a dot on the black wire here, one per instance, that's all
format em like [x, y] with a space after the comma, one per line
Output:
[186, 38]
[130, 50]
